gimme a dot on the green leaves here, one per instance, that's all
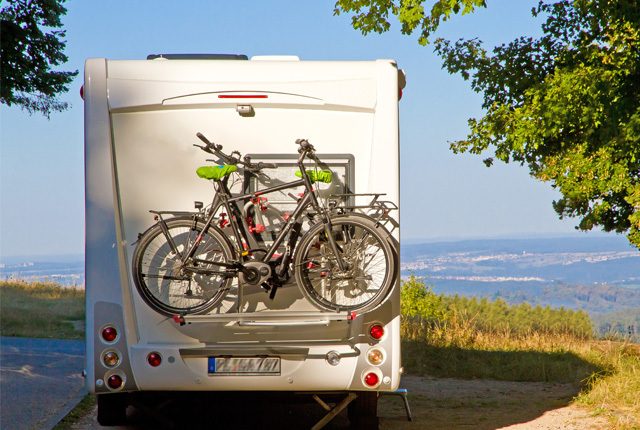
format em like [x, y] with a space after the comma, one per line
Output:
[373, 15]
[566, 105]
[418, 301]
[29, 53]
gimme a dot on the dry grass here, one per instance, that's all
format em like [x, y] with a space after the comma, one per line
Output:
[40, 309]
[617, 394]
[608, 371]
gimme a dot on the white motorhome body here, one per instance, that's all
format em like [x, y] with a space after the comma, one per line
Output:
[141, 118]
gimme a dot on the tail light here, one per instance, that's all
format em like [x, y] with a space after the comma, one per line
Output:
[111, 359]
[154, 359]
[376, 331]
[371, 379]
[375, 356]
[109, 334]
[115, 382]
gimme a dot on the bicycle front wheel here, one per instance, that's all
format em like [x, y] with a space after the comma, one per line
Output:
[365, 281]
[171, 285]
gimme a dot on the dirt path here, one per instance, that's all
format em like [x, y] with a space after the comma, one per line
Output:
[439, 404]
[484, 404]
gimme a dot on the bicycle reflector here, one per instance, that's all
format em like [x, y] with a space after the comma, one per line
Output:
[154, 359]
[109, 333]
[376, 331]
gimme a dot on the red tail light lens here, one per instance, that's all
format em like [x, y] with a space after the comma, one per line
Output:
[114, 382]
[371, 379]
[376, 331]
[154, 359]
[109, 333]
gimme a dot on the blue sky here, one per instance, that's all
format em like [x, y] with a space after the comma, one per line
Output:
[442, 195]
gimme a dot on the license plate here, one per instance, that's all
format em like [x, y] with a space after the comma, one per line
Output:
[244, 365]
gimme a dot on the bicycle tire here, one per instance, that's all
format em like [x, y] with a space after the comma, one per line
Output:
[369, 277]
[157, 270]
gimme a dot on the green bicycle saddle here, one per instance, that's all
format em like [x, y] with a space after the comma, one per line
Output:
[323, 176]
[215, 172]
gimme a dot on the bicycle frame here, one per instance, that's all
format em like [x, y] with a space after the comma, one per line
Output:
[240, 231]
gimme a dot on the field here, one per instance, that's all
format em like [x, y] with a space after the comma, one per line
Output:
[43, 310]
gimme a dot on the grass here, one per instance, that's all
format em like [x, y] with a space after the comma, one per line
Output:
[41, 309]
[81, 409]
[607, 371]
[616, 395]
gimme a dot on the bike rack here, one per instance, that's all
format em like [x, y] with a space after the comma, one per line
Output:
[271, 318]
[377, 209]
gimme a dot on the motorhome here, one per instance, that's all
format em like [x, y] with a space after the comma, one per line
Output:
[141, 120]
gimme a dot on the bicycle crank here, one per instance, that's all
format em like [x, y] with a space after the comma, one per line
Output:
[255, 273]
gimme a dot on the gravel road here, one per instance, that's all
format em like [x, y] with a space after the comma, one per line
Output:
[40, 381]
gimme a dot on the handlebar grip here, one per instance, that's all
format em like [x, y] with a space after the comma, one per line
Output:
[202, 138]
[210, 145]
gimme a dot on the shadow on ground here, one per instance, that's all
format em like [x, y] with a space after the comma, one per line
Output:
[436, 404]
[420, 358]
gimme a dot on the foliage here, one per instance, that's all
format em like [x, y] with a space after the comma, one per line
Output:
[28, 54]
[567, 105]
[624, 324]
[418, 301]
[372, 15]
[522, 318]
[41, 309]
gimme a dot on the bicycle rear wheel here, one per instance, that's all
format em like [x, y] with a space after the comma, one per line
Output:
[167, 283]
[369, 275]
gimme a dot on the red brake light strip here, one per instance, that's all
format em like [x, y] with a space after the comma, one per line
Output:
[243, 96]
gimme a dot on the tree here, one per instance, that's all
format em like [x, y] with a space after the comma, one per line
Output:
[418, 301]
[29, 53]
[566, 104]
[372, 15]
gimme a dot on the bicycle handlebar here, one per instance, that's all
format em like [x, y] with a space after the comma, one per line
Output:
[304, 145]
[212, 148]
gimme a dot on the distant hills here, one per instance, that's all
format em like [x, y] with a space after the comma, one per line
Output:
[599, 275]
[62, 269]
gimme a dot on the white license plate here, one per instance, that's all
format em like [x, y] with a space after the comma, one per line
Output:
[244, 365]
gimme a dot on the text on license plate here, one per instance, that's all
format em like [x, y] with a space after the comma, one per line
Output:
[244, 365]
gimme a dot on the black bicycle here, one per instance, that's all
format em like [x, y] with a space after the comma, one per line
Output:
[186, 264]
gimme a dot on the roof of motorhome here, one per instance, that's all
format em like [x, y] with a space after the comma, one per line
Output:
[222, 57]
[197, 57]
